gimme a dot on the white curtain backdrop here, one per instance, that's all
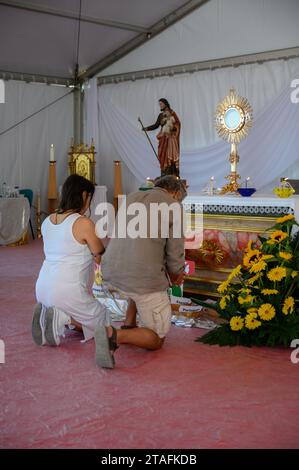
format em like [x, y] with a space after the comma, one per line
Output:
[270, 149]
[25, 150]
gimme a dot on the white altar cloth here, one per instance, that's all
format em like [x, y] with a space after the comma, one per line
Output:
[257, 203]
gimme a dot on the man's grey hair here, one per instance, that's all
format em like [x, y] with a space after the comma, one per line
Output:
[172, 184]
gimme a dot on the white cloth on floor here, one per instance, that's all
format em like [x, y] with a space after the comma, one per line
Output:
[64, 276]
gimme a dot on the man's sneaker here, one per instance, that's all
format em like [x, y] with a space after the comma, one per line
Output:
[55, 325]
[39, 324]
[105, 347]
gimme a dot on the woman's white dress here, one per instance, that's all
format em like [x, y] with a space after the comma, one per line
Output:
[64, 276]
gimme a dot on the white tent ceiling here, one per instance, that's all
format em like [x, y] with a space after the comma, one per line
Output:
[219, 29]
[40, 36]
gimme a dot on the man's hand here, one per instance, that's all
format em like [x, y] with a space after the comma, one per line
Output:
[176, 279]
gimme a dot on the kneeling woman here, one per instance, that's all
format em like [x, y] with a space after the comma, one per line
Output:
[70, 246]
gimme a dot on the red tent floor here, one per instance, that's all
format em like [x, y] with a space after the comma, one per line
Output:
[187, 395]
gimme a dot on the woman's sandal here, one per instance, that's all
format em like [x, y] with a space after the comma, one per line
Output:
[105, 347]
[113, 340]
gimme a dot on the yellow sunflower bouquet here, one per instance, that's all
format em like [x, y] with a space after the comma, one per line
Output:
[259, 299]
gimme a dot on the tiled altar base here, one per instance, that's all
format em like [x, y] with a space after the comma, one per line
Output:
[188, 395]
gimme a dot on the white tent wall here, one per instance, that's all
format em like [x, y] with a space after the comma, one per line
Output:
[194, 97]
[25, 150]
[218, 29]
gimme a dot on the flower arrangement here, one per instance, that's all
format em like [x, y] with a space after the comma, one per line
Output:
[259, 299]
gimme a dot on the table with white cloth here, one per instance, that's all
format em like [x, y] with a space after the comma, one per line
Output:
[228, 223]
[14, 219]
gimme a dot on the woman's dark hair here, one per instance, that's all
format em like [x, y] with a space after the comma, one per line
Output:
[72, 193]
[164, 100]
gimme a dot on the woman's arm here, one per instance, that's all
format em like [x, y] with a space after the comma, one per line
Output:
[84, 232]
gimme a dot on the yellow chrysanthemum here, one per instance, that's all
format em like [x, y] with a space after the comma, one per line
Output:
[285, 255]
[222, 288]
[278, 236]
[269, 291]
[236, 323]
[294, 274]
[251, 321]
[252, 310]
[285, 218]
[245, 300]
[265, 257]
[266, 312]
[223, 301]
[235, 272]
[288, 305]
[248, 247]
[253, 279]
[258, 267]
[277, 274]
[245, 291]
[251, 257]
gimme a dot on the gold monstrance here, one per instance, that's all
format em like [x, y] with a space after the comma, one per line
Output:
[233, 120]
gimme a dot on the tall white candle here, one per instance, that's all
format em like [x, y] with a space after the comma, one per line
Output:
[52, 157]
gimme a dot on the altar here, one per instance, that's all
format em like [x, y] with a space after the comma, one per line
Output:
[229, 222]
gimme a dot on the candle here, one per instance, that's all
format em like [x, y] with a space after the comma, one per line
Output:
[52, 158]
[247, 179]
[212, 179]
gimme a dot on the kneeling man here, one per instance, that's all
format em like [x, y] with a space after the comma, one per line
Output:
[144, 267]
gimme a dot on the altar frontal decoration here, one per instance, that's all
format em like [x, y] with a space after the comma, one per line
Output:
[259, 299]
[233, 121]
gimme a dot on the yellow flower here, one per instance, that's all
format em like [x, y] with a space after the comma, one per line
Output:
[251, 322]
[267, 257]
[294, 274]
[285, 218]
[269, 291]
[223, 300]
[245, 300]
[236, 323]
[245, 291]
[288, 305]
[248, 247]
[251, 257]
[235, 272]
[277, 274]
[253, 279]
[252, 310]
[266, 312]
[257, 267]
[270, 242]
[278, 236]
[222, 288]
[285, 255]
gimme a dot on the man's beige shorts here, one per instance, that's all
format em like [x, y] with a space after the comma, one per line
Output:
[154, 311]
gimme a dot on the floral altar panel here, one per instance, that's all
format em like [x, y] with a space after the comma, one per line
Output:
[229, 222]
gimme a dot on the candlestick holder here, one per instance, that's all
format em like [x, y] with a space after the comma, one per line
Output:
[52, 187]
[117, 183]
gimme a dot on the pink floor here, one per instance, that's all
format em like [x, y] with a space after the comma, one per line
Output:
[188, 395]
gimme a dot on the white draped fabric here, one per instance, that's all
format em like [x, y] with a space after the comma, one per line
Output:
[25, 150]
[270, 149]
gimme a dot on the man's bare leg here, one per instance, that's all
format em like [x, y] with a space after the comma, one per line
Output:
[131, 314]
[141, 337]
[78, 326]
